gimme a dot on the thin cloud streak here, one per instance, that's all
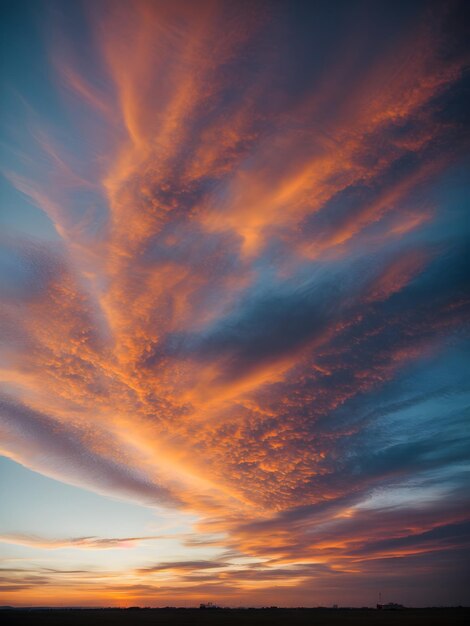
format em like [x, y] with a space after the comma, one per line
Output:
[91, 543]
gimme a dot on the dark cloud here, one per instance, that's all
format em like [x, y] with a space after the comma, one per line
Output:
[442, 537]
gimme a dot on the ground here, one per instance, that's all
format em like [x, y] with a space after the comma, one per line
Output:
[213, 617]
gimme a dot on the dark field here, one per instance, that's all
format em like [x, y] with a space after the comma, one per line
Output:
[267, 617]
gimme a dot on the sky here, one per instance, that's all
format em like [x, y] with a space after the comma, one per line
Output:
[234, 303]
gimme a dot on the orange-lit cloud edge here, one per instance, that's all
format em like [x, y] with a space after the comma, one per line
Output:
[247, 272]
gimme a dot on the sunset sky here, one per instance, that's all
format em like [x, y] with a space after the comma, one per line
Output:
[234, 350]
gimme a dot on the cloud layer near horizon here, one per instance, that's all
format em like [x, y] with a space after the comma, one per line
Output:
[254, 304]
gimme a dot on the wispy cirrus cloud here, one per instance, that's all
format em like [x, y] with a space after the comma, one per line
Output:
[92, 543]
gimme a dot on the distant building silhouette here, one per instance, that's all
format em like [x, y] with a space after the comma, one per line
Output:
[390, 606]
[208, 605]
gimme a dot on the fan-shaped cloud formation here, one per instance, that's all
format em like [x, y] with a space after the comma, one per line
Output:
[253, 304]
